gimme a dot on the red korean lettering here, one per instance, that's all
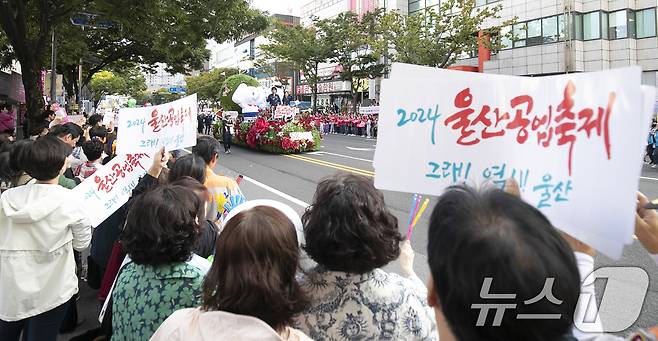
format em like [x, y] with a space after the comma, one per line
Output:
[463, 101]
[544, 137]
[155, 121]
[118, 171]
[600, 124]
[482, 118]
[102, 184]
[566, 121]
[519, 120]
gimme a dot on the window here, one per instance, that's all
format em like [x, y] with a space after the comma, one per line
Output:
[562, 28]
[534, 32]
[480, 2]
[604, 25]
[577, 24]
[646, 23]
[520, 31]
[592, 26]
[631, 23]
[549, 29]
[617, 25]
[415, 6]
[492, 1]
[505, 41]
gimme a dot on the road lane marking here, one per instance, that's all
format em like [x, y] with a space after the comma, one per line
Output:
[306, 158]
[648, 178]
[271, 189]
[276, 191]
[340, 155]
[360, 149]
[332, 165]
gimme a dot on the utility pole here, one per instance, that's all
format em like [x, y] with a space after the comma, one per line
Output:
[79, 97]
[53, 71]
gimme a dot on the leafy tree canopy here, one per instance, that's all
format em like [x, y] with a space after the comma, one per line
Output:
[208, 85]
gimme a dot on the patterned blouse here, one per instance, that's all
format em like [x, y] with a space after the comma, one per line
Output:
[372, 306]
[144, 296]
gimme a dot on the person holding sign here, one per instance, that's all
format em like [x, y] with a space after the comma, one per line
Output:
[161, 229]
[508, 254]
[351, 234]
[40, 225]
[224, 191]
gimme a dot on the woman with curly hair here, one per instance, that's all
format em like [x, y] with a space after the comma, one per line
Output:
[250, 292]
[351, 234]
[163, 274]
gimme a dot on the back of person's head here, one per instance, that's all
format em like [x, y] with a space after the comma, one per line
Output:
[63, 131]
[207, 148]
[47, 114]
[189, 165]
[9, 157]
[93, 149]
[253, 272]
[98, 132]
[348, 227]
[44, 159]
[94, 120]
[162, 225]
[198, 188]
[475, 235]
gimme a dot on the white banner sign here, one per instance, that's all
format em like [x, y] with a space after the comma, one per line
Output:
[374, 110]
[145, 130]
[574, 143]
[285, 111]
[111, 186]
[305, 135]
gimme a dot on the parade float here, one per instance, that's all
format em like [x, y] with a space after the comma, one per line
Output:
[254, 127]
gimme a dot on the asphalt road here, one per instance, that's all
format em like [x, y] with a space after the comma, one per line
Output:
[293, 179]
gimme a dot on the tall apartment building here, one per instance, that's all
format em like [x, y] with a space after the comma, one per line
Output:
[558, 36]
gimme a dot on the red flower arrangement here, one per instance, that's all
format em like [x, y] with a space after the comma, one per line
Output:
[274, 136]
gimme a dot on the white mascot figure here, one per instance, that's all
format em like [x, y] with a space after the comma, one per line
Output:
[250, 99]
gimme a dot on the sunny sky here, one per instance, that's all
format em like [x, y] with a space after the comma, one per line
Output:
[279, 6]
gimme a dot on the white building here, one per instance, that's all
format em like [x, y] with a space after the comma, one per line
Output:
[558, 36]
[332, 89]
[222, 55]
[163, 79]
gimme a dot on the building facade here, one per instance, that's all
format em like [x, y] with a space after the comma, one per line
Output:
[332, 90]
[244, 53]
[163, 79]
[558, 36]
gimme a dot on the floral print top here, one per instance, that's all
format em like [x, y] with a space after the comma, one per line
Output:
[371, 306]
[144, 296]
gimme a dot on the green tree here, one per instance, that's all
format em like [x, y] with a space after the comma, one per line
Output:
[105, 83]
[146, 32]
[303, 47]
[357, 46]
[438, 39]
[128, 82]
[208, 85]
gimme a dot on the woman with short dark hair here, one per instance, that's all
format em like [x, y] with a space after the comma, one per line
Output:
[41, 223]
[250, 292]
[163, 274]
[351, 235]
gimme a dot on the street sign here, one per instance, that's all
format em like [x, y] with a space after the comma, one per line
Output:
[91, 20]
